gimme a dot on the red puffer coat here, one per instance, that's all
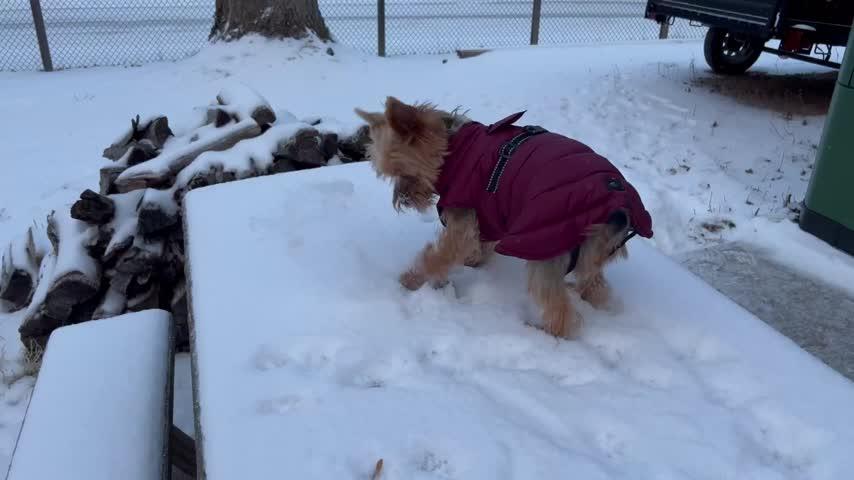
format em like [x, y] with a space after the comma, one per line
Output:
[535, 192]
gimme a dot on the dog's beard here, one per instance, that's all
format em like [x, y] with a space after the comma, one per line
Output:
[410, 192]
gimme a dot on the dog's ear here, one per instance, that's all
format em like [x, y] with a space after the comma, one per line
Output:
[373, 118]
[404, 119]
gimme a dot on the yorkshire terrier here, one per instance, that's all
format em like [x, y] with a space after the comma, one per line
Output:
[519, 191]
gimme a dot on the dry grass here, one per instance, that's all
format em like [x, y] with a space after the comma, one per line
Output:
[32, 360]
[790, 95]
[378, 470]
[12, 370]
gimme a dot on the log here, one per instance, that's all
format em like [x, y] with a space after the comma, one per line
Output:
[70, 279]
[153, 219]
[243, 102]
[161, 174]
[148, 298]
[355, 147]
[304, 150]
[119, 148]
[113, 303]
[116, 249]
[66, 291]
[157, 132]
[109, 175]
[16, 287]
[93, 208]
[139, 152]
[218, 117]
[38, 246]
[329, 145]
[99, 241]
[213, 176]
[115, 152]
[19, 268]
[282, 165]
[133, 153]
[124, 226]
[137, 260]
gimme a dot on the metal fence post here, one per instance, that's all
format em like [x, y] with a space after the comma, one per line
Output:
[381, 27]
[664, 29]
[41, 34]
[535, 22]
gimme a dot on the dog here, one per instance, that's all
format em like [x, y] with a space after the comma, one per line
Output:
[517, 191]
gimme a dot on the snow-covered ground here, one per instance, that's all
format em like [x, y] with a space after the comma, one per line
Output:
[714, 159]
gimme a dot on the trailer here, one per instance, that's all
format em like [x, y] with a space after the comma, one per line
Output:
[740, 30]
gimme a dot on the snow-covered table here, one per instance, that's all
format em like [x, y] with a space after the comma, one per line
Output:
[311, 362]
[102, 405]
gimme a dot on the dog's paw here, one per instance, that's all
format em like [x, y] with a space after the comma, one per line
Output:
[569, 330]
[474, 262]
[597, 294]
[563, 324]
[412, 280]
[572, 330]
[614, 305]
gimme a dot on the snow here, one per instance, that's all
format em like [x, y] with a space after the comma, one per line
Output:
[174, 153]
[313, 360]
[123, 137]
[247, 157]
[241, 101]
[71, 254]
[16, 258]
[649, 105]
[84, 398]
[70, 257]
[125, 219]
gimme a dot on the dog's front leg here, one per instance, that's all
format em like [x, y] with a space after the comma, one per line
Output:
[456, 242]
[481, 255]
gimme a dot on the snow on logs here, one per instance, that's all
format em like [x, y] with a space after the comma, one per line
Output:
[121, 249]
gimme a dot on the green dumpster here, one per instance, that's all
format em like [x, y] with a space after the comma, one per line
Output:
[828, 211]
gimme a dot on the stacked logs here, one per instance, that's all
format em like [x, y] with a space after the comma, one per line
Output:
[121, 249]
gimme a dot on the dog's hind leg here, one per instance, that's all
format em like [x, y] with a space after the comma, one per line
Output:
[601, 247]
[545, 284]
[457, 241]
[594, 289]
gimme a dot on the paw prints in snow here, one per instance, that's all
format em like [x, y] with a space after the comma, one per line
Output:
[381, 371]
[334, 193]
[269, 357]
[285, 404]
[784, 440]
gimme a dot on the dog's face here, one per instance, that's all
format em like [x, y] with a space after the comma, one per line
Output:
[408, 143]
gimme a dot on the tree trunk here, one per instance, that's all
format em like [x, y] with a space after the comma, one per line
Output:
[270, 18]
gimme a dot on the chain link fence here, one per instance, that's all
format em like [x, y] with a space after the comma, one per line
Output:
[444, 26]
[83, 33]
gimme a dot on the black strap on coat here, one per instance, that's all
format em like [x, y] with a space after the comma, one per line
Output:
[506, 151]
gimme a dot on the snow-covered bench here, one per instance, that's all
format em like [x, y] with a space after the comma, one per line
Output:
[102, 404]
[312, 362]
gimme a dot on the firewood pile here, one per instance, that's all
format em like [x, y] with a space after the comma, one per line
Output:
[121, 249]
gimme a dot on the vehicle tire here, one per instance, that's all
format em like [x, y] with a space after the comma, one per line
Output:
[731, 53]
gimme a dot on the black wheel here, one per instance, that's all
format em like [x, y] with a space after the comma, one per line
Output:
[731, 53]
